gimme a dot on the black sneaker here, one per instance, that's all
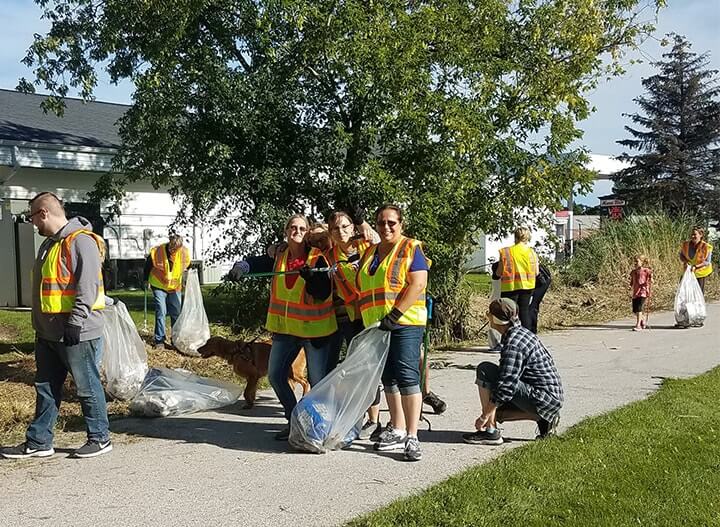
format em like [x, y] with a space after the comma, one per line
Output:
[375, 436]
[93, 448]
[367, 429]
[438, 405]
[547, 428]
[390, 439]
[23, 451]
[283, 434]
[412, 449]
[483, 437]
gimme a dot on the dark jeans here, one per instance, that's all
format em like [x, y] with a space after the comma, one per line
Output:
[284, 351]
[701, 283]
[402, 370]
[53, 361]
[165, 304]
[537, 297]
[522, 298]
[488, 375]
[347, 331]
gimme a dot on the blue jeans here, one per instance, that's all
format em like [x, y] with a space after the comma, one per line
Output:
[284, 351]
[347, 331]
[402, 369]
[165, 304]
[53, 361]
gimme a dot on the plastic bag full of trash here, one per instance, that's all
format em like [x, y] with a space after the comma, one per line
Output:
[191, 330]
[168, 392]
[124, 359]
[327, 418]
[689, 301]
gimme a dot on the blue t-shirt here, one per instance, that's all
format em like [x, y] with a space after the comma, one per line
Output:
[419, 262]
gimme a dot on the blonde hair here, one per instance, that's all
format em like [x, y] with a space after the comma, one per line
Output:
[644, 261]
[296, 217]
[522, 234]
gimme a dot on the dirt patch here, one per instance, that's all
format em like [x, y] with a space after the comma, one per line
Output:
[8, 333]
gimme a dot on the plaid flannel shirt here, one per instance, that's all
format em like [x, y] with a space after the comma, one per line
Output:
[523, 358]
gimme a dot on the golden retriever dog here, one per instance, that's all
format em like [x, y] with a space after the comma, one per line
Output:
[250, 361]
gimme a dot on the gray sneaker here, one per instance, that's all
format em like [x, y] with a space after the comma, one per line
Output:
[412, 449]
[390, 439]
[375, 436]
[23, 451]
[368, 429]
[483, 437]
[93, 448]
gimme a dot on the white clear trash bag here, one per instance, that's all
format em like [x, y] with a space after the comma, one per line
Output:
[689, 301]
[191, 330]
[330, 416]
[124, 359]
[168, 392]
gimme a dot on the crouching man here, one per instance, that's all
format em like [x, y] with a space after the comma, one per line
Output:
[524, 386]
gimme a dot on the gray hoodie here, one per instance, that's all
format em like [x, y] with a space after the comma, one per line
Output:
[86, 267]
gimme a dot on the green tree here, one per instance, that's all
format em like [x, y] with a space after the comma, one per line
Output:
[463, 112]
[677, 138]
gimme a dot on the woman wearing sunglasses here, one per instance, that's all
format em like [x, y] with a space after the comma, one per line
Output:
[300, 314]
[391, 281]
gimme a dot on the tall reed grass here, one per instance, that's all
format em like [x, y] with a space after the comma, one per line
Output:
[606, 258]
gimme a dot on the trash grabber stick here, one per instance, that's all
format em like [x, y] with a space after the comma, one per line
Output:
[426, 349]
[145, 324]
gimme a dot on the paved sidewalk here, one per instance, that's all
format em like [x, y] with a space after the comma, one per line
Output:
[223, 468]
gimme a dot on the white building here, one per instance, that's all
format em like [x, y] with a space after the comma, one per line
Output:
[42, 152]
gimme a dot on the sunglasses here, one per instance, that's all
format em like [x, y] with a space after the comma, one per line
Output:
[298, 228]
[389, 223]
[339, 228]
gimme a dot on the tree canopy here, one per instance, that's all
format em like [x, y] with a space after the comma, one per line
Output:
[676, 136]
[461, 111]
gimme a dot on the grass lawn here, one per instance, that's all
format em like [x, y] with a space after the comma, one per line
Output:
[479, 282]
[655, 462]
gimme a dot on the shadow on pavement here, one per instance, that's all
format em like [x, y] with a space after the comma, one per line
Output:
[234, 435]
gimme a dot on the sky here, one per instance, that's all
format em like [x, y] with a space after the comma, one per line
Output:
[698, 20]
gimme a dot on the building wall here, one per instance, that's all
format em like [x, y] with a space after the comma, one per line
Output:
[146, 214]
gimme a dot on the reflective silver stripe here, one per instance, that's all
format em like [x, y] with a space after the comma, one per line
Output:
[394, 278]
[371, 299]
[302, 312]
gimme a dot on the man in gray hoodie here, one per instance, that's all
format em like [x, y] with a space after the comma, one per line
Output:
[67, 296]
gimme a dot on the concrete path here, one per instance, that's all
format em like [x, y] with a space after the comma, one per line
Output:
[223, 468]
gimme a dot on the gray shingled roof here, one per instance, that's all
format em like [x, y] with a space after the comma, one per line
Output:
[83, 124]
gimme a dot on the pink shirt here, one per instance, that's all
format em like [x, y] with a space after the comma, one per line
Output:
[640, 282]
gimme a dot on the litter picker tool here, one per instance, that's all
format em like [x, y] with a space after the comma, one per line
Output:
[426, 349]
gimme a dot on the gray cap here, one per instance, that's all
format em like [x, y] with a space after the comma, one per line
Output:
[504, 309]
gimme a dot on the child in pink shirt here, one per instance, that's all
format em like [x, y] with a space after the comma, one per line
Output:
[640, 282]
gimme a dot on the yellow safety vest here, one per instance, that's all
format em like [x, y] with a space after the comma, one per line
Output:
[519, 267]
[345, 275]
[294, 311]
[701, 254]
[57, 287]
[380, 291]
[161, 276]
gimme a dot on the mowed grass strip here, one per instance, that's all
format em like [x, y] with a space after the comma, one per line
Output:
[655, 462]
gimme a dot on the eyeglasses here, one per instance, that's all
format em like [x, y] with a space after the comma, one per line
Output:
[389, 223]
[29, 217]
[339, 228]
[298, 228]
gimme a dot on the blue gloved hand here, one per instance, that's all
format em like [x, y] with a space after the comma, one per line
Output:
[390, 321]
[71, 335]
